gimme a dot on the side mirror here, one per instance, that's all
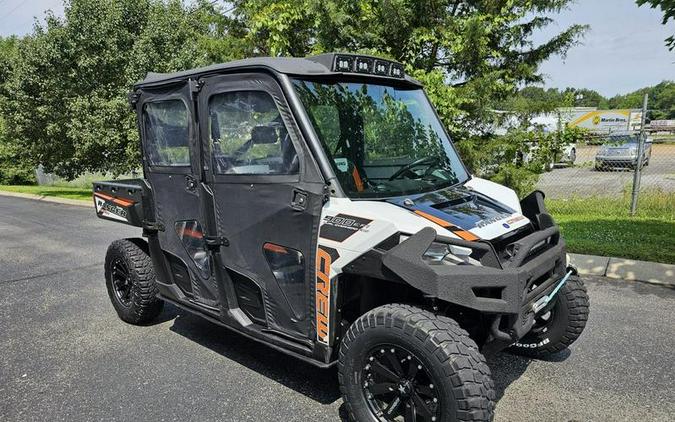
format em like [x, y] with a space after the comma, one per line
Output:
[261, 135]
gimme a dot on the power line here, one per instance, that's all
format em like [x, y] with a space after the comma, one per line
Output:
[31, 19]
[13, 10]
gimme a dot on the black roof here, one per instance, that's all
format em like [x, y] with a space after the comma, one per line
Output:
[320, 65]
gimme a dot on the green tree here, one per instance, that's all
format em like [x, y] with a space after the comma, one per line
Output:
[14, 168]
[661, 100]
[482, 49]
[668, 9]
[65, 103]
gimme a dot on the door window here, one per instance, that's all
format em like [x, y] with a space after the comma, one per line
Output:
[248, 135]
[166, 133]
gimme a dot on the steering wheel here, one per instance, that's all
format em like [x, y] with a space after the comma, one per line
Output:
[422, 161]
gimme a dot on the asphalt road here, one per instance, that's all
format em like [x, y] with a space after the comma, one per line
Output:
[583, 180]
[64, 354]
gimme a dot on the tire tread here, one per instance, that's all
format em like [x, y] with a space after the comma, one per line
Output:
[458, 355]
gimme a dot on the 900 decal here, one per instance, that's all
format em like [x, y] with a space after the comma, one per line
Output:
[324, 259]
[339, 227]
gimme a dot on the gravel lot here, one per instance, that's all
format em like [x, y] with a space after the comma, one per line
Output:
[66, 356]
[584, 180]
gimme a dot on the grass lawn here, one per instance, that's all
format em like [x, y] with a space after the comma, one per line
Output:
[58, 191]
[602, 226]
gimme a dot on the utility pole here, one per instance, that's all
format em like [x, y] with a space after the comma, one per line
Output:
[640, 153]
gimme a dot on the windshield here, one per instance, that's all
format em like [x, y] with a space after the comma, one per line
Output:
[622, 139]
[382, 141]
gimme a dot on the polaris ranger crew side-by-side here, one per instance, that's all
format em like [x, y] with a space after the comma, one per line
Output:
[318, 206]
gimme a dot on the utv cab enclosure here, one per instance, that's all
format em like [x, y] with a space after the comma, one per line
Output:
[318, 205]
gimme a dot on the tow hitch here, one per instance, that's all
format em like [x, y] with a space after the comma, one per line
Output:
[544, 300]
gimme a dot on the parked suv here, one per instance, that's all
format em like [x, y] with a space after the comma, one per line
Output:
[621, 150]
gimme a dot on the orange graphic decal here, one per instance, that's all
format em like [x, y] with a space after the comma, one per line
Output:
[323, 262]
[463, 234]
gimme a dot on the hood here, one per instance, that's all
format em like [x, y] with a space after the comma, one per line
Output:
[465, 209]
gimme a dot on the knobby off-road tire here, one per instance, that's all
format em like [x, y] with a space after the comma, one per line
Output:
[452, 379]
[557, 330]
[130, 280]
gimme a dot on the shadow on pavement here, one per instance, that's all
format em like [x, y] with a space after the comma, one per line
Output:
[317, 384]
[507, 368]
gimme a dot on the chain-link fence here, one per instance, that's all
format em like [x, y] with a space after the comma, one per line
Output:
[603, 169]
[609, 182]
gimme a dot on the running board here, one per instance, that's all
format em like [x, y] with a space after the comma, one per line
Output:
[269, 341]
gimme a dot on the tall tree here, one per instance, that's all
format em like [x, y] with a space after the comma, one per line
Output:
[65, 104]
[470, 54]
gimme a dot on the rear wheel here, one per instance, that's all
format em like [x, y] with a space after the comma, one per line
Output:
[130, 280]
[557, 326]
[401, 363]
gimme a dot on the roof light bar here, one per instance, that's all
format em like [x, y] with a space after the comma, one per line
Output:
[364, 64]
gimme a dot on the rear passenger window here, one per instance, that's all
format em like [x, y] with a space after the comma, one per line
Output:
[166, 133]
[248, 135]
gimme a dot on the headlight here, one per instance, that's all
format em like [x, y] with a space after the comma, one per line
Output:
[441, 253]
[436, 252]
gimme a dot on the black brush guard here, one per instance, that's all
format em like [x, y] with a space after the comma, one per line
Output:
[504, 289]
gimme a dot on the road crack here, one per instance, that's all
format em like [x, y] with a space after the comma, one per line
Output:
[64, 271]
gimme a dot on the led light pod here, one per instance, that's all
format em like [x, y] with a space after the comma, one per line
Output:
[344, 64]
[396, 70]
[364, 65]
[381, 68]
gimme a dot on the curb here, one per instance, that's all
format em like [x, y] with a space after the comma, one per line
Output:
[52, 199]
[624, 269]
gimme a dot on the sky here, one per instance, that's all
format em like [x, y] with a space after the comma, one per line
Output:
[623, 51]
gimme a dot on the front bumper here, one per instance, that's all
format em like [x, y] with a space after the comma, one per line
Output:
[616, 161]
[505, 289]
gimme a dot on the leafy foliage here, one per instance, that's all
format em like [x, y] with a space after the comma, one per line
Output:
[13, 169]
[668, 8]
[65, 98]
[533, 100]
[661, 100]
[65, 104]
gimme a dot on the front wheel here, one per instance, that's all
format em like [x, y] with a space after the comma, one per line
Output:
[401, 363]
[558, 326]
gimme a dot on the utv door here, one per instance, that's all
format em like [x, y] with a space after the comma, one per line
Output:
[267, 199]
[171, 160]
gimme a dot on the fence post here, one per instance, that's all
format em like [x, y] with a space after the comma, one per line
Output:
[640, 152]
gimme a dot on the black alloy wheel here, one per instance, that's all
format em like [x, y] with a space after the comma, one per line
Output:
[131, 282]
[398, 387]
[121, 281]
